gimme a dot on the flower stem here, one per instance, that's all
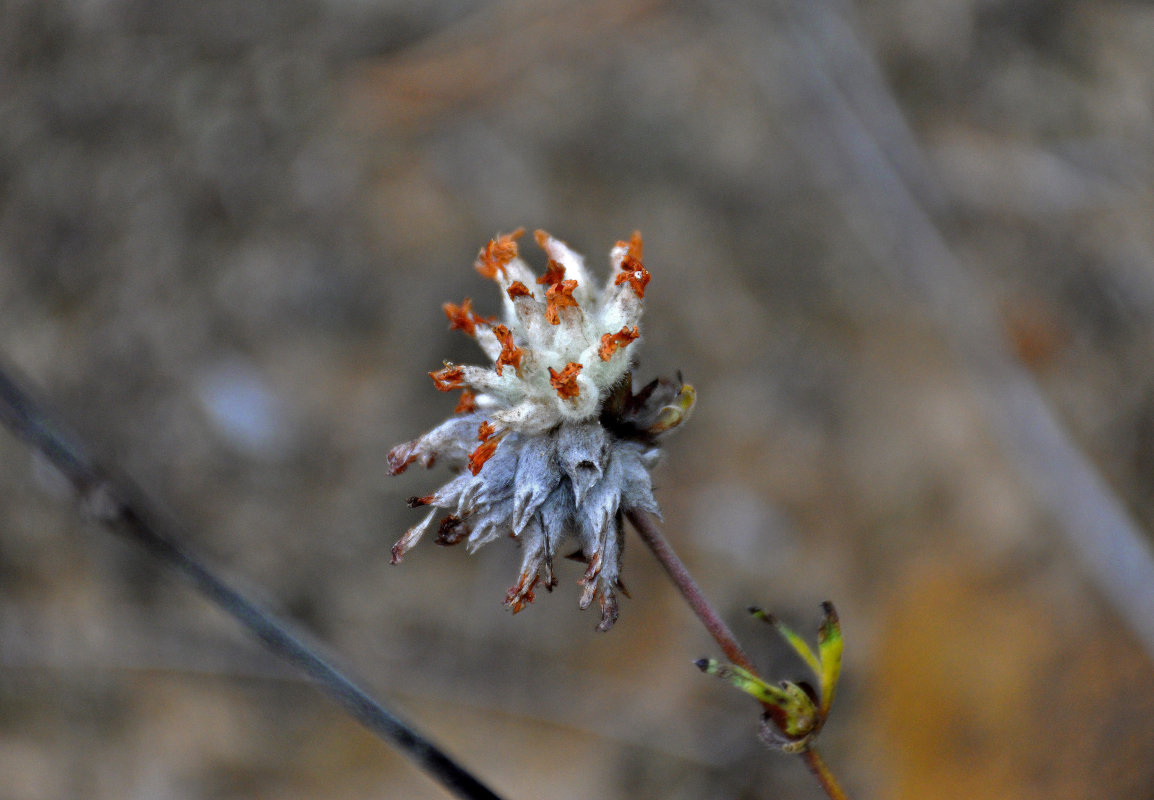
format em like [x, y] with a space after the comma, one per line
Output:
[647, 529]
[821, 771]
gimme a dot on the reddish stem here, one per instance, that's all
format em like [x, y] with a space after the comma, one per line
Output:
[824, 776]
[644, 524]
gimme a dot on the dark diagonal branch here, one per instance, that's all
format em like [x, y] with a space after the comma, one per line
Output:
[116, 504]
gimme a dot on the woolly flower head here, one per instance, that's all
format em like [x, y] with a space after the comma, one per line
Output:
[551, 444]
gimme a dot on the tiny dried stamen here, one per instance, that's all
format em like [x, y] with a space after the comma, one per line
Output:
[554, 273]
[485, 430]
[636, 246]
[489, 442]
[497, 253]
[449, 378]
[482, 454]
[559, 295]
[467, 403]
[565, 381]
[633, 272]
[510, 354]
[612, 342]
[517, 289]
[462, 317]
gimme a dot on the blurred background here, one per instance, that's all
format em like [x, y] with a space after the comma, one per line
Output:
[226, 229]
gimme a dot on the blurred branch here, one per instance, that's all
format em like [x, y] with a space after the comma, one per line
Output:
[851, 130]
[118, 505]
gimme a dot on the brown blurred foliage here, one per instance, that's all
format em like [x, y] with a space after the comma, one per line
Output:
[226, 230]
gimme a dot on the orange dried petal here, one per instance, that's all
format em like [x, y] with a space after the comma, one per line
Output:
[461, 317]
[517, 289]
[612, 342]
[449, 378]
[633, 272]
[510, 354]
[485, 430]
[554, 274]
[497, 253]
[565, 381]
[482, 454]
[635, 247]
[560, 295]
[467, 403]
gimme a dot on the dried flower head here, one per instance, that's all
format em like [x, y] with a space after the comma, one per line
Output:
[551, 443]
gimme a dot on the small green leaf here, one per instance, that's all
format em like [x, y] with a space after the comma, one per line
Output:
[746, 682]
[796, 642]
[829, 645]
[790, 708]
[677, 412]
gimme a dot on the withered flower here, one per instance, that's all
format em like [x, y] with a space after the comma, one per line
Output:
[556, 449]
